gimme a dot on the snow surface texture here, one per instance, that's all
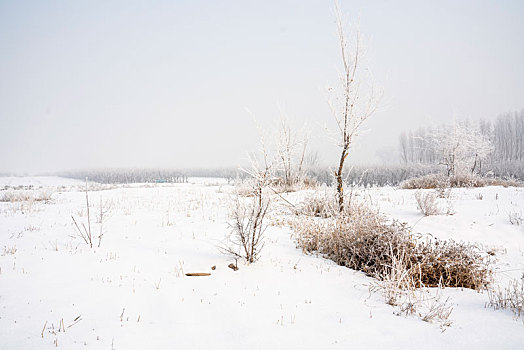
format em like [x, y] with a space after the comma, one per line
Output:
[131, 293]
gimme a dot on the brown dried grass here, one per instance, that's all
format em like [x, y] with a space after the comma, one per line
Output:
[363, 240]
[510, 297]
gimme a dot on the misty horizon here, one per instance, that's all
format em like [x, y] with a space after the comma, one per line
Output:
[179, 85]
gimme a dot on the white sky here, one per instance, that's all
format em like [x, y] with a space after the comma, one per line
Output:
[89, 84]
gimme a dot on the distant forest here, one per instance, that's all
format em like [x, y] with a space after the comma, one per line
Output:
[418, 150]
[506, 135]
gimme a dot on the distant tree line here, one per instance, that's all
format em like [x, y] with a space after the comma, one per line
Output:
[507, 136]
[484, 147]
[126, 176]
[152, 175]
[481, 147]
[375, 175]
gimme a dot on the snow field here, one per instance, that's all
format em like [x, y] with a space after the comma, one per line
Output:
[131, 293]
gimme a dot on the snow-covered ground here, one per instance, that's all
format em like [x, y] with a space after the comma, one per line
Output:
[131, 293]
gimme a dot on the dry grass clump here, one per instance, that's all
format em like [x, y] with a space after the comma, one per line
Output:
[363, 240]
[9, 250]
[511, 297]
[399, 289]
[427, 203]
[276, 185]
[502, 182]
[281, 185]
[324, 204]
[244, 189]
[467, 180]
[425, 182]
[320, 204]
[452, 264]
[460, 180]
[14, 196]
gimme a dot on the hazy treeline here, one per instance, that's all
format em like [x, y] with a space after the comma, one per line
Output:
[2, 174]
[375, 175]
[393, 175]
[419, 152]
[505, 136]
[505, 169]
[124, 176]
[358, 175]
[149, 175]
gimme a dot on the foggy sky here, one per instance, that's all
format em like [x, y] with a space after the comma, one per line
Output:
[166, 83]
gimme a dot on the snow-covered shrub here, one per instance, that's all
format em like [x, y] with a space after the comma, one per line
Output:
[247, 228]
[324, 203]
[364, 240]
[466, 180]
[440, 181]
[245, 188]
[319, 204]
[510, 297]
[281, 185]
[247, 215]
[470, 180]
[427, 203]
[450, 263]
[426, 182]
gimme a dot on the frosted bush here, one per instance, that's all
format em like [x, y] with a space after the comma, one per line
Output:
[427, 203]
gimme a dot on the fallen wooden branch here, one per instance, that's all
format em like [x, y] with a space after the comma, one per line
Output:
[195, 274]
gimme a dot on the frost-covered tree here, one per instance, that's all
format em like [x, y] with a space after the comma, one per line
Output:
[460, 146]
[505, 136]
[356, 98]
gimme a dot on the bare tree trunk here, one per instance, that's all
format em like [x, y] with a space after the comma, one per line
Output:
[340, 181]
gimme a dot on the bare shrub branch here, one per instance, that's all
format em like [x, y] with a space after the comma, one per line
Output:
[247, 228]
[102, 215]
